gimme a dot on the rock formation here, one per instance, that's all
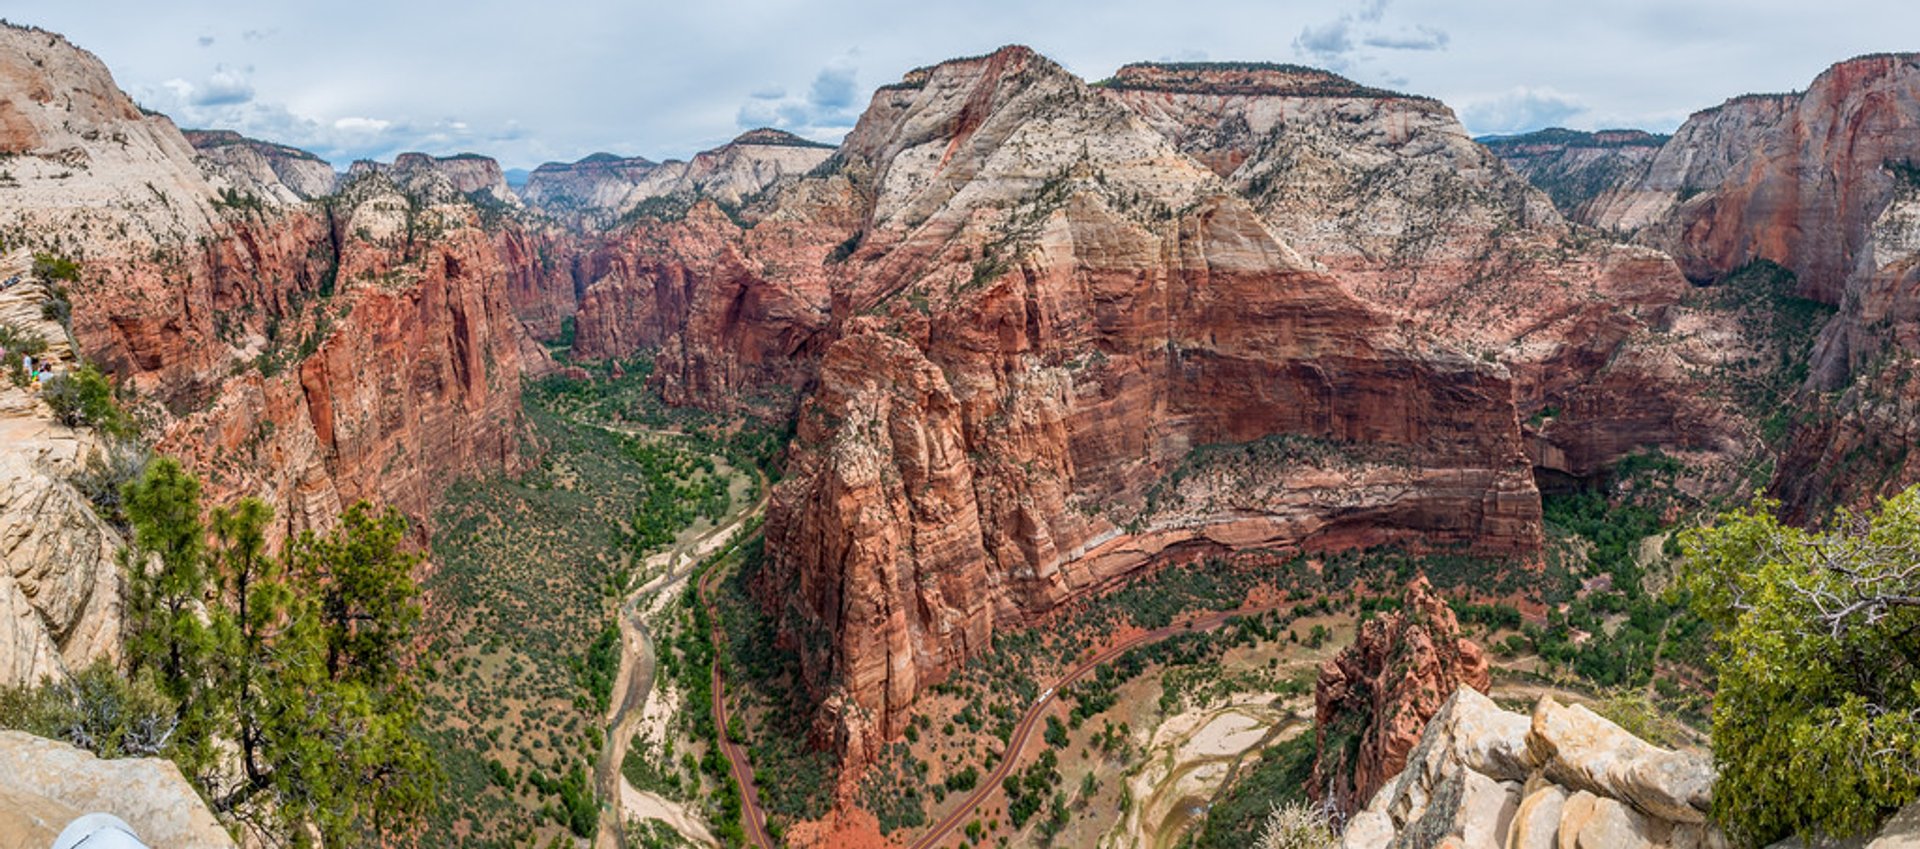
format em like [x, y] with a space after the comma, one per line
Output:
[60, 590]
[46, 784]
[599, 189]
[263, 171]
[466, 173]
[1388, 193]
[597, 183]
[1045, 310]
[310, 354]
[1819, 182]
[1575, 167]
[1372, 700]
[1483, 777]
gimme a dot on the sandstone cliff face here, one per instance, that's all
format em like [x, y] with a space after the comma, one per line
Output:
[466, 173]
[273, 173]
[1797, 179]
[1388, 194]
[1373, 699]
[60, 590]
[732, 172]
[596, 191]
[1046, 310]
[1483, 777]
[1817, 182]
[1575, 167]
[402, 376]
[597, 183]
[309, 354]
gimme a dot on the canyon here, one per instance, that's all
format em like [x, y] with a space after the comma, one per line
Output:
[1033, 337]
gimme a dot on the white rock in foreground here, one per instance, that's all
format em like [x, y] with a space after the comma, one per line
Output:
[45, 784]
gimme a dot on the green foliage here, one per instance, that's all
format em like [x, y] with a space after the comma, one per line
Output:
[15, 341]
[304, 660]
[1817, 646]
[82, 397]
[1238, 817]
[96, 709]
[1056, 733]
[600, 666]
[1904, 170]
[106, 475]
[47, 266]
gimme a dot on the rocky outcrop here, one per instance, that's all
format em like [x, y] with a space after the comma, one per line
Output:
[1046, 311]
[1575, 167]
[1372, 700]
[1818, 182]
[263, 171]
[1483, 777]
[1797, 179]
[596, 191]
[309, 354]
[44, 785]
[60, 590]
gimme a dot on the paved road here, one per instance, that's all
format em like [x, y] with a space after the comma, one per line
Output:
[754, 821]
[991, 784]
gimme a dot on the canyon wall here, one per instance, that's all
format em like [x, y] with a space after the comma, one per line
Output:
[310, 354]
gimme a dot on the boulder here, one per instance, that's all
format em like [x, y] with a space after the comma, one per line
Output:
[45, 784]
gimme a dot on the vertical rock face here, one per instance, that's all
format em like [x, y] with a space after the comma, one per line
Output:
[405, 374]
[1818, 182]
[598, 190]
[466, 173]
[1796, 179]
[1373, 699]
[1575, 167]
[598, 183]
[1388, 194]
[1046, 311]
[313, 355]
[272, 173]
[60, 590]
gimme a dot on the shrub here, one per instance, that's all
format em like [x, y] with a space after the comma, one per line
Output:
[83, 397]
[96, 709]
[107, 472]
[48, 266]
[1295, 825]
[1816, 636]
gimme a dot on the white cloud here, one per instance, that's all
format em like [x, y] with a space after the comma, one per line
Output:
[826, 112]
[1519, 110]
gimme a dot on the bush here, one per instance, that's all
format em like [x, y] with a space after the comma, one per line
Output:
[96, 709]
[108, 471]
[48, 266]
[1816, 638]
[83, 397]
[1296, 825]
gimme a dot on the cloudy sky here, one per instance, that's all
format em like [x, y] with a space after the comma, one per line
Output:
[530, 82]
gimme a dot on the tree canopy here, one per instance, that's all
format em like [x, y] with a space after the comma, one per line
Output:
[304, 661]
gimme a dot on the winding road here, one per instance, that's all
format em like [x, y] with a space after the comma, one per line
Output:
[1018, 741]
[754, 822]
